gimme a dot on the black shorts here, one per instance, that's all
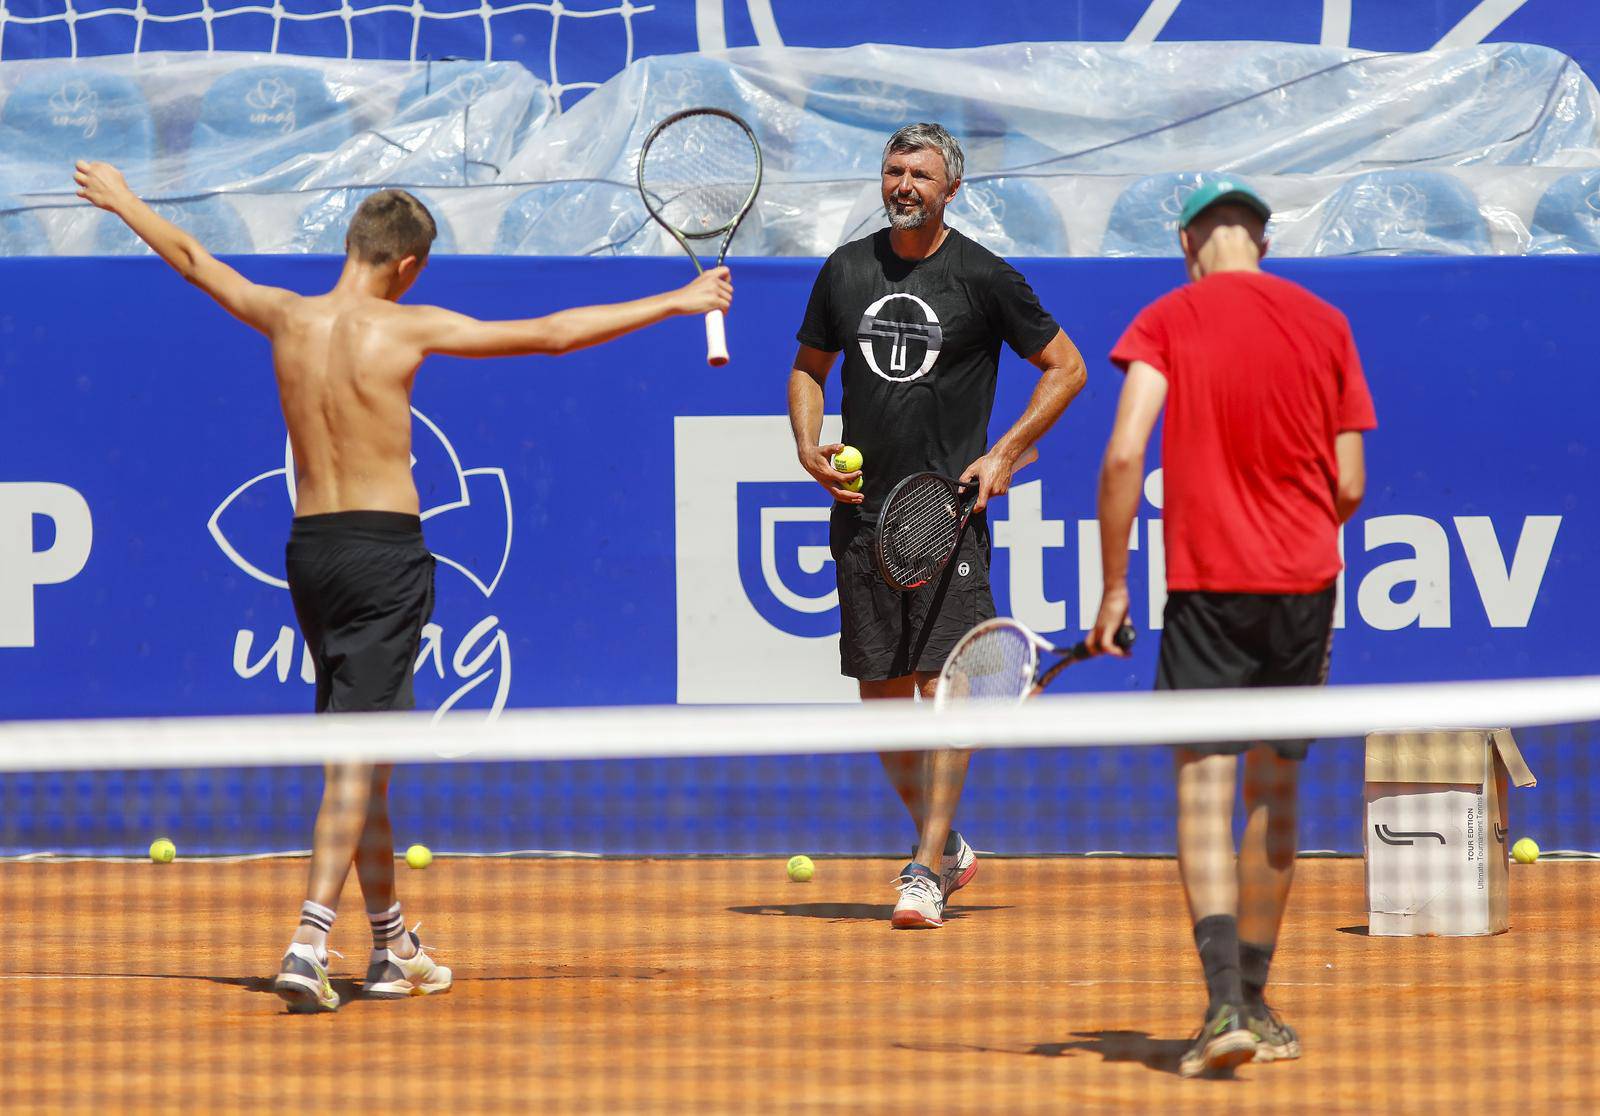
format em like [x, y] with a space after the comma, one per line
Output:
[362, 583]
[1213, 641]
[889, 633]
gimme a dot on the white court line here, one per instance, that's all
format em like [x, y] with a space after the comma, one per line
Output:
[1480, 22]
[1335, 23]
[1154, 19]
[708, 24]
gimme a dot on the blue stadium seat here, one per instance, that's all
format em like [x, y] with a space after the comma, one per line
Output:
[215, 223]
[322, 226]
[70, 112]
[1144, 218]
[21, 233]
[462, 82]
[1021, 209]
[446, 91]
[564, 218]
[988, 135]
[1567, 218]
[260, 117]
[1402, 212]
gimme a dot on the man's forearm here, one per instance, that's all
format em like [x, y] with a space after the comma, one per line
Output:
[1120, 482]
[805, 409]
[1056, 389]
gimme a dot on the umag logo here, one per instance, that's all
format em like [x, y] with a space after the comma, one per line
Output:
[75, 105]
[466, 515]
[271, 102]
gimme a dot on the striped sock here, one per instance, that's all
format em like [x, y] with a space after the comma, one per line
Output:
[387, 927]
[320, 921]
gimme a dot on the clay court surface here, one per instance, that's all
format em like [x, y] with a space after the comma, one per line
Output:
[1059, 985]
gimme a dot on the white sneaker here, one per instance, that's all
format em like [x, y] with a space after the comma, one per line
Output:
[391, 977]
[921, 905]
[302, 981]
[957, 869]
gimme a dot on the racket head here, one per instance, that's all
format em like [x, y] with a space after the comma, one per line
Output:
[919, 527]
[997, 661]
[699, 173]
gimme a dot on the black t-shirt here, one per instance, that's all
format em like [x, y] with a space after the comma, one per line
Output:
[921, 343]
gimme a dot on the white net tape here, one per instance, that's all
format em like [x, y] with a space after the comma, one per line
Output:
[680, 731]
[519, 22]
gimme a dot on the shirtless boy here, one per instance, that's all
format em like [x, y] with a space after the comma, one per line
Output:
[359, 574]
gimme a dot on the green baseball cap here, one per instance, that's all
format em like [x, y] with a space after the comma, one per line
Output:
[1222, 190]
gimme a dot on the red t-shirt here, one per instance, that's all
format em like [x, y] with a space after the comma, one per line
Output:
[1261, 376]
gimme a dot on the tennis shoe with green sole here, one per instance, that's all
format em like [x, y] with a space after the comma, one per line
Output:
[1222, 1043]
[1275, 1039]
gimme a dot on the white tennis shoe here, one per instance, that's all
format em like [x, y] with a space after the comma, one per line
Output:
[921, 905]
[392, 977]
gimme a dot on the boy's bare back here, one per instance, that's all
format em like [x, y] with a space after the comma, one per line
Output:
[345, 364]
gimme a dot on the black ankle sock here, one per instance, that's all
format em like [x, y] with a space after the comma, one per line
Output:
[1217, 937]
[1253, 963]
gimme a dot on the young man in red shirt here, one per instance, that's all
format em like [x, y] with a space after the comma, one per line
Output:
[1262, 461]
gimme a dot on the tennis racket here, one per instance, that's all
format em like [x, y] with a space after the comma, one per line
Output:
[699, 172]
[999, 660]
[920, 525]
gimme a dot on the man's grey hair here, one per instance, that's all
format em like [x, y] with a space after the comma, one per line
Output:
[928, 137]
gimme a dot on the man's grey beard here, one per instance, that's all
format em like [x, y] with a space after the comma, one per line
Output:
[912, 219]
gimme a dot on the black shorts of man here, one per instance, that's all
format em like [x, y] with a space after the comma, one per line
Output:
[1262, 460]
[920, 312]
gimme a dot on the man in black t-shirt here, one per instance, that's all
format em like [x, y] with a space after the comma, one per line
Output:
[920, 312]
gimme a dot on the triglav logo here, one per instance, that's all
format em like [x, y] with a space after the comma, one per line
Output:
[909, 339]
[758, 612]
[785, 565]
[272, 102]
[75, 105]
[467, 525]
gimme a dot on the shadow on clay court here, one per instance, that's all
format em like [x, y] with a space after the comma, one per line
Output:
[1358, 931]
[847, 912]
[1161, 1055]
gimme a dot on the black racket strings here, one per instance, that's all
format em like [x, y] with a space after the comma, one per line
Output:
[702, 169]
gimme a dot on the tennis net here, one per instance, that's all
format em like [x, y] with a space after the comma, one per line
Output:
[609, 890]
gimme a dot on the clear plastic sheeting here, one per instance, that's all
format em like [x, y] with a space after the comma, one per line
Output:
[253, 153]
[1076, 149]
[1072, 149]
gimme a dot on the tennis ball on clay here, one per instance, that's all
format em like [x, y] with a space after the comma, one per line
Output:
[801, 869]
[162, 851]
[847, 460]
[855, 485]
[419, 856]
[1525, 851]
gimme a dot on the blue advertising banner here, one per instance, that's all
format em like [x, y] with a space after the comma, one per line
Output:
[624, 525]
[580, 43]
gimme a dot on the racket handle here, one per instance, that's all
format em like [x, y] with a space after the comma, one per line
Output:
[716, 339]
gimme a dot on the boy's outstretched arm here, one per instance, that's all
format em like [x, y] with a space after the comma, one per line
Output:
[255, 305]
[437, 330]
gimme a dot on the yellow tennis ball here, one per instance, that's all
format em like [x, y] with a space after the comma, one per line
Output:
[162, 851]
[1525, 851]
[801, 869]
[847, 460]
[419, 856]
[855, 485]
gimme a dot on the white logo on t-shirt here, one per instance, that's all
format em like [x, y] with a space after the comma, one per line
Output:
[902, 337]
